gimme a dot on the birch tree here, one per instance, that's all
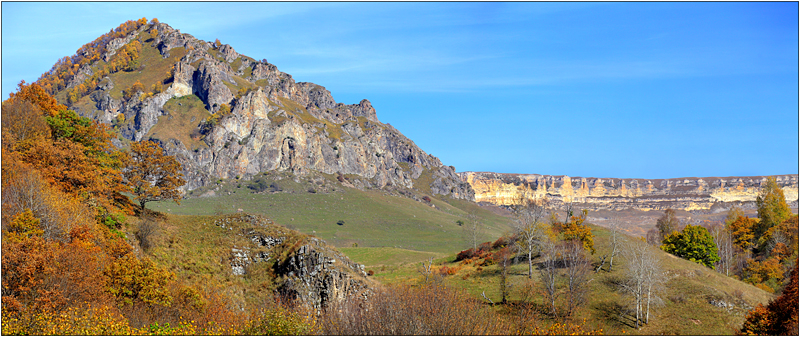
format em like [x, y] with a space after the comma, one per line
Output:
[472, 231]
[644, 279]
[549, 273]
[724, 241]
[655, 280]
[577, 274]
[530, 227]
[615, 242]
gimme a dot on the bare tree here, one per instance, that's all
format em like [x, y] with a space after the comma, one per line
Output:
[667, 223]
[530, 226]
[653, 237]
[724, 241]
[472, 230]
[615, 241]
[633, 283]
[615, 245]
[504, 275]
[655, 280]
[644, 278]
[577, 274]
[426, 270]
[551, 257]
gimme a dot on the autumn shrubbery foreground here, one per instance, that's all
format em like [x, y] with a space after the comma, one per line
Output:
[434, 309]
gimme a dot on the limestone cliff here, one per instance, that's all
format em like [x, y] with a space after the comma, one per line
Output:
[274, 122]
[687, 194]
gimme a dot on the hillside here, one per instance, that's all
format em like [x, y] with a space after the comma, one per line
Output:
[249, 258]
[696, 300]
[315, 204]
[306, 216]
[224, 115]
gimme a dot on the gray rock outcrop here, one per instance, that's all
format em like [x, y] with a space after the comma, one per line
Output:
[275, 122]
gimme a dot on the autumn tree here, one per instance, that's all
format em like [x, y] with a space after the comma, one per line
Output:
[22, 122]
[764, 274]
[772, 207]
[576, 230]
[667, 223]
[779, 317]
[132, 280]
[785, 233]
[71, 153]
[742, 232]
[35, 94]
[693, 243]
[530, 226]
[157, 88]
[151, 174]
[133, 90]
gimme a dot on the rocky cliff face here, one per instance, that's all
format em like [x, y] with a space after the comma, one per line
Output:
[305, 268]
[687, 194]
[275, 123]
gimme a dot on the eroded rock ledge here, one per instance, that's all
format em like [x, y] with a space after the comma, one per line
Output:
[687, 194]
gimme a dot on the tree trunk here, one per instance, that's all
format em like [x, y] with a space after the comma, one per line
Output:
[503, 285]
[647, 316]
[611, 262]
[530, 262]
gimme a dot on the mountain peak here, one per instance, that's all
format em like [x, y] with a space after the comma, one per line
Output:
[226, 115]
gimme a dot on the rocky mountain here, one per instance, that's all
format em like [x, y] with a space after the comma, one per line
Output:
[250, 118]
[687, 194]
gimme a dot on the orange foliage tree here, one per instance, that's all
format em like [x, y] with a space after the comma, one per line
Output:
[151, 174]
[742, 232]
[64, 70]
[779, 317]
[576, 230]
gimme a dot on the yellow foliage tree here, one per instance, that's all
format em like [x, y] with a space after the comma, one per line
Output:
[151, 174]
[576, 230]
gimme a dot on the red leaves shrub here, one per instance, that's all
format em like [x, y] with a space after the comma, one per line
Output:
[777, 318]
[445, 270]
[501, 254]
[482, 252]
[465, 254]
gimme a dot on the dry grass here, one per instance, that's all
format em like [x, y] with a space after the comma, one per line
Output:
[155, 68]
[183, 116]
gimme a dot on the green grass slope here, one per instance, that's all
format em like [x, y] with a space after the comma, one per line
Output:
[370, 219]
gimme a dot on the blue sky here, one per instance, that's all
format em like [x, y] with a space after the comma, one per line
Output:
[625, 90]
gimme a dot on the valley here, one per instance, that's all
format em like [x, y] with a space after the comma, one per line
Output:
[265, 207]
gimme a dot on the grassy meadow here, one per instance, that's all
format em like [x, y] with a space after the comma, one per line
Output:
[347, 217]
